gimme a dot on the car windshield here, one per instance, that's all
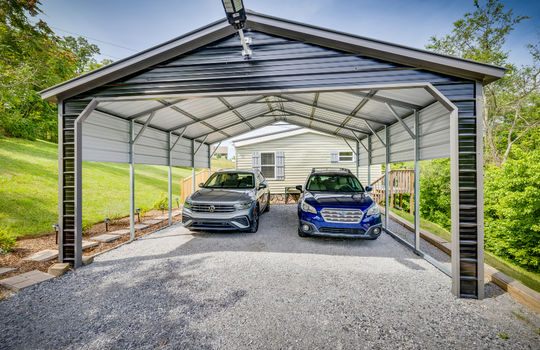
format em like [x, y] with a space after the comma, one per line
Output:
[230, 180]
[334, 183]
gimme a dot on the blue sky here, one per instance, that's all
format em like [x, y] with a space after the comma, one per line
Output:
[137, 24]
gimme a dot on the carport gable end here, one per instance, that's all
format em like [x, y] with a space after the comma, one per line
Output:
[312, 77]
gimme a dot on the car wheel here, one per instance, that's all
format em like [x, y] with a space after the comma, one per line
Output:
[267, 209]
[255, 225]
[300, 233]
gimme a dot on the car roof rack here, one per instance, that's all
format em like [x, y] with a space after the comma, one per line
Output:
[313, 170]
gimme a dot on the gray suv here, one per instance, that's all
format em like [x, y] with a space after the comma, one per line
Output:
[229, 200]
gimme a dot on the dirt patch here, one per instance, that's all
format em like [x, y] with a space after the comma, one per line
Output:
[29, 245]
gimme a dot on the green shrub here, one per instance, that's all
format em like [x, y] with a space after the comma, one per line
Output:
[163, 200]
[435, 192]
[512, 209]
[18, 127]
[7, 241]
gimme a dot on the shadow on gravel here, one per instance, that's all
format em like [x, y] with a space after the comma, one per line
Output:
[128, 306]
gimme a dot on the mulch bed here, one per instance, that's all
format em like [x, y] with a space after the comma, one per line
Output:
[29, 245]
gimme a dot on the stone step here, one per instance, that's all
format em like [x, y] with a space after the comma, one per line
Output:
[151, 222]
[175, 213]
[164, 217]
[106, 238]
[89, 245]
[44, 255]
[120, 232]
[140, 226]
[6, 270]
[25, 280]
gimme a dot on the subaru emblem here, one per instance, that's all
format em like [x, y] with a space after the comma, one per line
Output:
[211, 208]
[341, 213]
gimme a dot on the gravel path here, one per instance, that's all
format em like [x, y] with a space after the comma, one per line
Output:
[271, 290]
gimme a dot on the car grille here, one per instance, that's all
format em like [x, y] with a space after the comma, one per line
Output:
[342, 230]
[213, 208]
[350, 216]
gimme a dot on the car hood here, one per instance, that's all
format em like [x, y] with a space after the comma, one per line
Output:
[222, 195]
[338, 200]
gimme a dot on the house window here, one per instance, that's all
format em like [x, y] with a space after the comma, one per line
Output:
[268, 165]
[346, 156]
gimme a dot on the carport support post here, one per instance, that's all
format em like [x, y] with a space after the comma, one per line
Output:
[169, 177]
[193, 166]
[369, 160]
[357, 158]
[209, 162]
[131, 181]
[77, 161]
[416, 181]
[386, 176]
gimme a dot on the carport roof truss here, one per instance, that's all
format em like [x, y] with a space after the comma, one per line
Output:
[350, 113]
[168, 104]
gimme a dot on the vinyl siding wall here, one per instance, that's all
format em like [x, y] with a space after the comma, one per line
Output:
[302, 153]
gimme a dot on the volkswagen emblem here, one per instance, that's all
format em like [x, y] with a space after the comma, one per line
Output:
[211, 208]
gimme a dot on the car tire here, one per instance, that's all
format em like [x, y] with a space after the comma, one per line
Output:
[301, 234]
[255, 225]
[267, 209]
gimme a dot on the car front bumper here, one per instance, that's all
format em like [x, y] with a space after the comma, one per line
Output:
[232, 221]
[368, 228]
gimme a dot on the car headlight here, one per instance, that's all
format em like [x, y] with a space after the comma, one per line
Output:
[188, 204]
[243, 205]
[308, 208]
[373, 210]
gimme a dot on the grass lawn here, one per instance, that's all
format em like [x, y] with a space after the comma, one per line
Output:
[29, 186]
[528, 278]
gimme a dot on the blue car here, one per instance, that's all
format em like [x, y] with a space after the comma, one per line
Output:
[334, 204]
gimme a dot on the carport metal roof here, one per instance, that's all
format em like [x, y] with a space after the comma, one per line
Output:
[163, 105]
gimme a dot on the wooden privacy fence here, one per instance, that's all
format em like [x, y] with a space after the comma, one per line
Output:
[186, 185]
[400, 182]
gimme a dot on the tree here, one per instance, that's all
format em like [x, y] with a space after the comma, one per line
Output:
[511, 103]
[32, 58]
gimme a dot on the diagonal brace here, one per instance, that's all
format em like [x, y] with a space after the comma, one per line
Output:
[144, 127]
[401, 121]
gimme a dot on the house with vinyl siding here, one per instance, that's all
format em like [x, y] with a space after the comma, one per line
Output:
[287, 158]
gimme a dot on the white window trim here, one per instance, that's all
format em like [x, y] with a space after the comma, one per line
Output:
[275, 165]
[346, 161]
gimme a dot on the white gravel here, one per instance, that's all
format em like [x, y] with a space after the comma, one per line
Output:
[271, 290]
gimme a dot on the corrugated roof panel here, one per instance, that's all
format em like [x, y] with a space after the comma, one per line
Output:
[202, 107]
[418, 96]
[128, 108]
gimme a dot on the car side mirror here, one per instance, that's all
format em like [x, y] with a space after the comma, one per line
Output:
[201, 185]
[369, 188]
[261, 186]
[299, 188]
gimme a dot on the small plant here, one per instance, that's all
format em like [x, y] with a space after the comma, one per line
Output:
[7, 241]
[162, 202]
[503, 335]
[86, 227]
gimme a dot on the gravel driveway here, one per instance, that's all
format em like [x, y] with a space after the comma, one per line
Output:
[271, 289]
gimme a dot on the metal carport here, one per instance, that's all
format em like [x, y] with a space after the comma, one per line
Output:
[168, 104]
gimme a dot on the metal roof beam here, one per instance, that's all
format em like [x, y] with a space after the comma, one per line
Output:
[231, 125]
[314, 128]
[216, 114]
[375, 133]
[154, 109]
[401, 121]
[358, 107]
[232, 109]
[325, 122]
[362, 116]
[388, 100]
[347, 142]
[192, 117]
